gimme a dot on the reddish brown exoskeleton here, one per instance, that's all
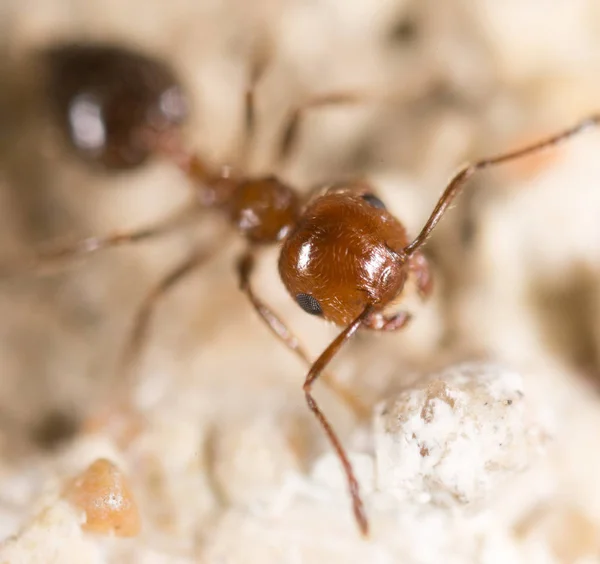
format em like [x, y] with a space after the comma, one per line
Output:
[103, 97]
[343, 256]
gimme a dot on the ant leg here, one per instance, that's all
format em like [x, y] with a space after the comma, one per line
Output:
[418, 265]
[139, 331]
[315, 371]
[457, 183]
[48, 258]
[258, 65]
[380, 322]
[122, 419]
[292, 125]
[281, 331]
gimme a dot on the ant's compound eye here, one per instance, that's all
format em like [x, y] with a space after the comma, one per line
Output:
[374, 201]
[309, 304]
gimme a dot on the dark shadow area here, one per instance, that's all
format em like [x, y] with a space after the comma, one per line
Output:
[566, 318]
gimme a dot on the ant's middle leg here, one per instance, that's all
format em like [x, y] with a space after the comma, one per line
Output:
[138, 334]
[259, 62]
[291, 128]
[139, 331]
[122, 418]
[293, 123]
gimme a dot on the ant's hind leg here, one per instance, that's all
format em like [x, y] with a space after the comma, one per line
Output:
[60, 256]
[281, 331]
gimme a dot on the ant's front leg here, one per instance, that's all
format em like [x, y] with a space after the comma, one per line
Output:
[245, 268]
[381, 322]
[419, 267]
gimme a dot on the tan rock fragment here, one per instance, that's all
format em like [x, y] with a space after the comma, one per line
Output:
[103, 493]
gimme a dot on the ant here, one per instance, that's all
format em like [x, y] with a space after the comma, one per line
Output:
[343, 256]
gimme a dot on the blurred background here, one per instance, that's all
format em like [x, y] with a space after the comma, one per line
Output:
[516, 262]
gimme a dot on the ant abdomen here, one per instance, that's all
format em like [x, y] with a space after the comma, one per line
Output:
[112, 102]
[344, 255]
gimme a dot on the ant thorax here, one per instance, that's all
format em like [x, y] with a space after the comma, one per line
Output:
[264, 210]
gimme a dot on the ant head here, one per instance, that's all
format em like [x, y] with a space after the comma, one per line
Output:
[264, 209]
[345, 253]
[112, 102]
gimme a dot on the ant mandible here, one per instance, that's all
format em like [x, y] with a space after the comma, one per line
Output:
[344, 257]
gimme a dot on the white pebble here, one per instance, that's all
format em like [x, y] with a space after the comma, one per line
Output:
[454, 436]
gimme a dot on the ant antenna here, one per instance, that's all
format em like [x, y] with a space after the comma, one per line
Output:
[457, 183]
[315, 371]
